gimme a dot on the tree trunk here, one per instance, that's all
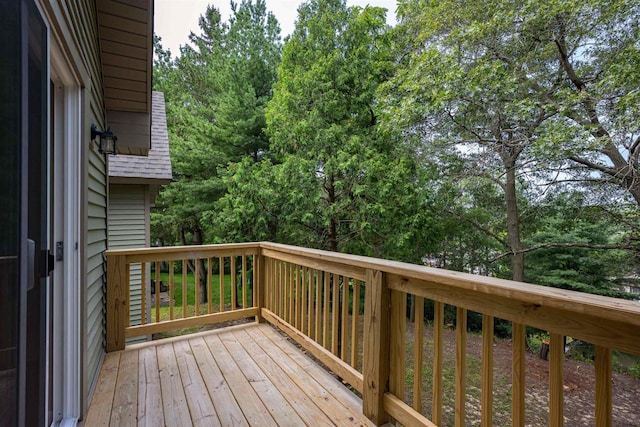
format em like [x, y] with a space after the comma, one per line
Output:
[202, 278]
[513, 220]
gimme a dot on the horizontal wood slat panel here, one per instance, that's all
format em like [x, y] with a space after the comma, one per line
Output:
[123, 24]
[127, 50]
[115, 35]
[127, 10]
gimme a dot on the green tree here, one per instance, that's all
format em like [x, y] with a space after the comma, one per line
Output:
[350, 188]
[216, 93]
[579, 247]
[464, 104]
[520, 90]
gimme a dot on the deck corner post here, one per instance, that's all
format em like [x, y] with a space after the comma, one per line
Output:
[117, 301]
[376, 351]
[260, 287]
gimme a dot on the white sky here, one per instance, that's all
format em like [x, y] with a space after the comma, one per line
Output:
[175, 19]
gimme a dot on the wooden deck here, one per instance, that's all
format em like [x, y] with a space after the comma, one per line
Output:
[241, 375]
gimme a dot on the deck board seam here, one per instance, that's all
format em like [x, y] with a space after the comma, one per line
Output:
[294, 370]
[277, 370]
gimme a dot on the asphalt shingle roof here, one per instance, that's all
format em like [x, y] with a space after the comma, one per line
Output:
[157, 165]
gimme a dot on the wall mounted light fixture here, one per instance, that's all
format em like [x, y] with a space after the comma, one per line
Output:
[106, 142]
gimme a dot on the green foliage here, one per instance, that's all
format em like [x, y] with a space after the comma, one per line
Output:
[490, 89]
[216, 93]
[471, 134]
[584, 269]
[334, 182]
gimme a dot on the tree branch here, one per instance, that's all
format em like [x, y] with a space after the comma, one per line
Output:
[625, 247]
[592, 165]
[479, 227]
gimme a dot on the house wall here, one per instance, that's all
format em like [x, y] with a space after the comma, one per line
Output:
[128, 228]
[73, 24]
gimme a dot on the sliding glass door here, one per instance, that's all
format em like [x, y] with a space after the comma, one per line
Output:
[24, 213]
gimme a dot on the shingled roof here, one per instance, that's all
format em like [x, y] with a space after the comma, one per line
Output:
[155, 167]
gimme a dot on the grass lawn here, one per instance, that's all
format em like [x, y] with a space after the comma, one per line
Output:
[190, 297]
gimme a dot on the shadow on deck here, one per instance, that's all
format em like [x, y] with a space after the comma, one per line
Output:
[240, 375]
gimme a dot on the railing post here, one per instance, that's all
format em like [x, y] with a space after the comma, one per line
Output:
[376, 345]
[117, 297]
[260, 285]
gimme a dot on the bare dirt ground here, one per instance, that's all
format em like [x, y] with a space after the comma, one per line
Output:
[579, 385]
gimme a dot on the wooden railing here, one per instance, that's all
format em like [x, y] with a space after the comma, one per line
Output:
[316, 298]
[225, 273]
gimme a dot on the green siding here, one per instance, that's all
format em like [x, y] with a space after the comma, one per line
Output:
[127, 229]
[96, 274]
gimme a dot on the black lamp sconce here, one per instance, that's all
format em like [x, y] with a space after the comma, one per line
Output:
[106, 142]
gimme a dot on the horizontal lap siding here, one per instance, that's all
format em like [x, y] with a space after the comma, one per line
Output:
[96, 245]
[82, 19]
[127, 230]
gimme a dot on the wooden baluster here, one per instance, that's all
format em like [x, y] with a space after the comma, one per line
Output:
[298, 299]
[556, 380]
[196, 283]
[286, 293]
[259, 284]
[397, 344]
[303, 301]
[157, 291]
[268, 284]
[185, 272]
[281, 287]
[344, 336]
[318, 304]
[418, 353]
[291, 297]
[461, 365]
[257, 263]
[310, 293]
[274, 288]
[518, 373]
[244, 281]
[171, 289]
[603, 386]
[355, 323]
[335, 310]
[221, 274]
[233, 283]
[487, 370]
[325, 315]
[438, 340]
[127, 320]
[143, 293]
[209, 286]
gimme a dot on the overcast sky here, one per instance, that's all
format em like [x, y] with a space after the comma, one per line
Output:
[175, 19]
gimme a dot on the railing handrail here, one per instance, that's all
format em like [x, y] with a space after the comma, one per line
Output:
[531, 295]
[161, 250]
[612, 308]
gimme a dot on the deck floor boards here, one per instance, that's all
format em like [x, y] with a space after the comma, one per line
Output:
[239, 376]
